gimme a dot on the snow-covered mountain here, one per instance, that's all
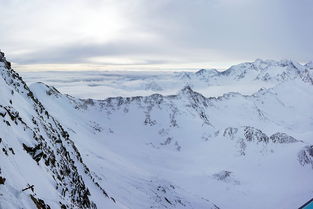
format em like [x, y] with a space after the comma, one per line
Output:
[40, 164]
[259, 70]
[183, 150]
[245, 78]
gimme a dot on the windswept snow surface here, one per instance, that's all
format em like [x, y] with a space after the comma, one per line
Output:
[188, 147]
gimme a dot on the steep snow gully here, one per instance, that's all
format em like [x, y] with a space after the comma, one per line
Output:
[176, 151]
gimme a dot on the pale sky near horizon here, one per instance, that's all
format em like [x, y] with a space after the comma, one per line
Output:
[160, 34]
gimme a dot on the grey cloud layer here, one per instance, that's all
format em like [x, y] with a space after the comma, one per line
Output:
[158, 32]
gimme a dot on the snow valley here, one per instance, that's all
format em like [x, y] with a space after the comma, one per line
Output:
[241, 138]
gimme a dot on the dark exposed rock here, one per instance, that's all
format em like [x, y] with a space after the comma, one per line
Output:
[230, 132]
[253, 134]
[2, 180]
[282, 138]
[168, 201]
[305, 156]
[35, 152]
[167, 141]
[222, 175]
[12, 151]
[226, 176]
[40, 204]
[5, 151]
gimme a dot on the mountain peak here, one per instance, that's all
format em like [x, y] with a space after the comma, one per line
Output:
[3, 60]
[187, 90]
[205, 72]
[189, 93]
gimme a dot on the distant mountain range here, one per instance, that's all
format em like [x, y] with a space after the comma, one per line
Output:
[264, 70]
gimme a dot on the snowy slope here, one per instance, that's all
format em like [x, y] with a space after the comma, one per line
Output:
[36, 151]
[235, 151]
[186, 150]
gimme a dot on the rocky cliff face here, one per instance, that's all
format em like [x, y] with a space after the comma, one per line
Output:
[39, 161]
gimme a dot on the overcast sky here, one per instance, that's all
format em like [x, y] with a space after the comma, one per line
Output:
[153, 34]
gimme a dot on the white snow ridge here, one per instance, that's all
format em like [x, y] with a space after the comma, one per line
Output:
[177, 151]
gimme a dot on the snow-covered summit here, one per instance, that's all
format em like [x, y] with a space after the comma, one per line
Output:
[265, 70]
[264, 73]
[207, 72]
